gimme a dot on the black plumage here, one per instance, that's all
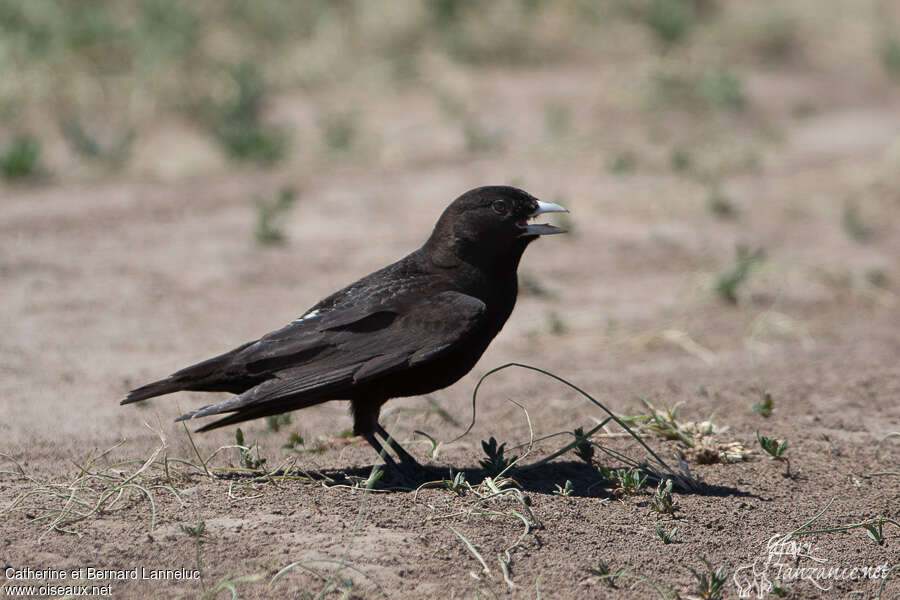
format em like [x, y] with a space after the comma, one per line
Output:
[413, 327]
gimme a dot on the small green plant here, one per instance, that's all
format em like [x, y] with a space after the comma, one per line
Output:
[721, 205]
[710, 583]
[457, 483]
[556, 324]
[681, 159]
[495, 462]
[628, 481]
[267, 230]
[663, 423]
[623, 162]
[728, 282]
[83, 141]
[765, 406]
[778, 38]
[775, 449]
[874, 529]
[781, 590]
[530, 285]
[890, 57]
[195, 531]
[876, 278]
[853, 223]
[803, 109]
[238, 126]
[662, 534]
[339, 130]
[663, 502]
[21, 158]
[670, 20]
[566, 490]
[722, 89]
[275, 422]
[583, 447]
[772, 446]
[248, 460]
[602, 570]
[295, 442]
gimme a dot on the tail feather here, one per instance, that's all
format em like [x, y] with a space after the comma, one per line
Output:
[157, 388]
[211, 375]
[247, 414]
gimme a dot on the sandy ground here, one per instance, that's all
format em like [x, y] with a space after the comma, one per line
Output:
[109, 284]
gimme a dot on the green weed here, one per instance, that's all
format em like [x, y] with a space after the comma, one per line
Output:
[495, 462]
[295, 442]
[556, 323]
[876, 278]
[854, 226]
[602, 570]
[237, 123]
[775, 449]
[21, 158]
[249, 455]
[628, 481]
[275, 422]
[667, 537]
[529, 285]
[890, 57]
[86, 143]
[875, 531]
[721, 205]
[565, 490]
[681, 159]
[765, 406]
[778, 38]
[722, 89]
[267, 230]
[622, 163]
[339, 130]
[729, 281]
[669, 20]
[196, 530]
[662, 502]
[710, 582]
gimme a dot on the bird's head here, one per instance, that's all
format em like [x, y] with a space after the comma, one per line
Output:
[492, 221]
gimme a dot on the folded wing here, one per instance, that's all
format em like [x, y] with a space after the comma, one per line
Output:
[326, 354]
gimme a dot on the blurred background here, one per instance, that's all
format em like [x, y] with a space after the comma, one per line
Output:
[179, 176]
[171, 89]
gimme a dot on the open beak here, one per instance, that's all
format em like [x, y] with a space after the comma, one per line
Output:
[542, 228]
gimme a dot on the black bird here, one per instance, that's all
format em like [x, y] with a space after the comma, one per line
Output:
[410, 328]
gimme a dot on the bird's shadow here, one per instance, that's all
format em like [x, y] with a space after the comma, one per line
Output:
[564, 478]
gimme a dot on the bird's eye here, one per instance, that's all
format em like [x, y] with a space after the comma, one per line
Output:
[499, 207]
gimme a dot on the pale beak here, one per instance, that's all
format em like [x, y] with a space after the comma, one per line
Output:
[542, 228]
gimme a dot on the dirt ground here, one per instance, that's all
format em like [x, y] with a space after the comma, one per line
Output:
[109, 283]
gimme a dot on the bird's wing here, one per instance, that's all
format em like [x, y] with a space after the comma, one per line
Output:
[320, 357]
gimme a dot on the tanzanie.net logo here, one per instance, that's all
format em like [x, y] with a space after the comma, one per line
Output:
[787, 564]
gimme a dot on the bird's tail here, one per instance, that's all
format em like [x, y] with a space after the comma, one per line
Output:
[157, 388]
[207, 376]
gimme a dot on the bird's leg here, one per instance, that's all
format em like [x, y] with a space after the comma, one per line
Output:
[382, 452]
[405, 457]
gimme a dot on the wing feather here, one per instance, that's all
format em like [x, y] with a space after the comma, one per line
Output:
[355, 347]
